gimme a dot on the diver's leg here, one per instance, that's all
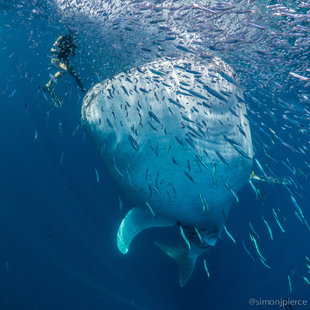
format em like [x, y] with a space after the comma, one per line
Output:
[54, 62]
[58, 75]
[59, 64]
[77, 78]
[49, 84]
[56, 100]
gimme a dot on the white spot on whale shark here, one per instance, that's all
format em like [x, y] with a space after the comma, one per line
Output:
[175, 137]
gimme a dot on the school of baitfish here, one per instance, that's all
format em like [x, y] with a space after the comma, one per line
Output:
[172, 119]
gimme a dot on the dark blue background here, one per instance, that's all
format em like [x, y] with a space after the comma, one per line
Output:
[58, 225]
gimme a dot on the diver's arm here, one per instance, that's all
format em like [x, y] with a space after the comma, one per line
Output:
[53, 49]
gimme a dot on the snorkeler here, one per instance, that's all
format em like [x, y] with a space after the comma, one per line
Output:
[62, 48]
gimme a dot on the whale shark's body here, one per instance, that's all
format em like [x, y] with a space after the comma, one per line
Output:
[175, 137]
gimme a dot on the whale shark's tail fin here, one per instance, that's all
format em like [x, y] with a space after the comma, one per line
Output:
[185, 259]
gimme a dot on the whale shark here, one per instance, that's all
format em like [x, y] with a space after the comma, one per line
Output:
[175, 137]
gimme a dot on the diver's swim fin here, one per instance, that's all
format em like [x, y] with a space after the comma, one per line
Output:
[185, 259]
[56, 101]
[136, 220]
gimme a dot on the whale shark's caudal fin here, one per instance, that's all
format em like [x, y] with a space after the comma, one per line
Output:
[136, 220]
[185, 259]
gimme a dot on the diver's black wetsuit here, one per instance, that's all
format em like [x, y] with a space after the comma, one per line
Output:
[65, 45]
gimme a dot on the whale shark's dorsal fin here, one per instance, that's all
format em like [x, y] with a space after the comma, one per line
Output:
[185, 259]
[136, 220]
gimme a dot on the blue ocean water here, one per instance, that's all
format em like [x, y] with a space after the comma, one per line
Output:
[58, 225]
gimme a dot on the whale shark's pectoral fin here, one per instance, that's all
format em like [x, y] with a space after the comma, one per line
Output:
[136, 220]
[186, 260]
